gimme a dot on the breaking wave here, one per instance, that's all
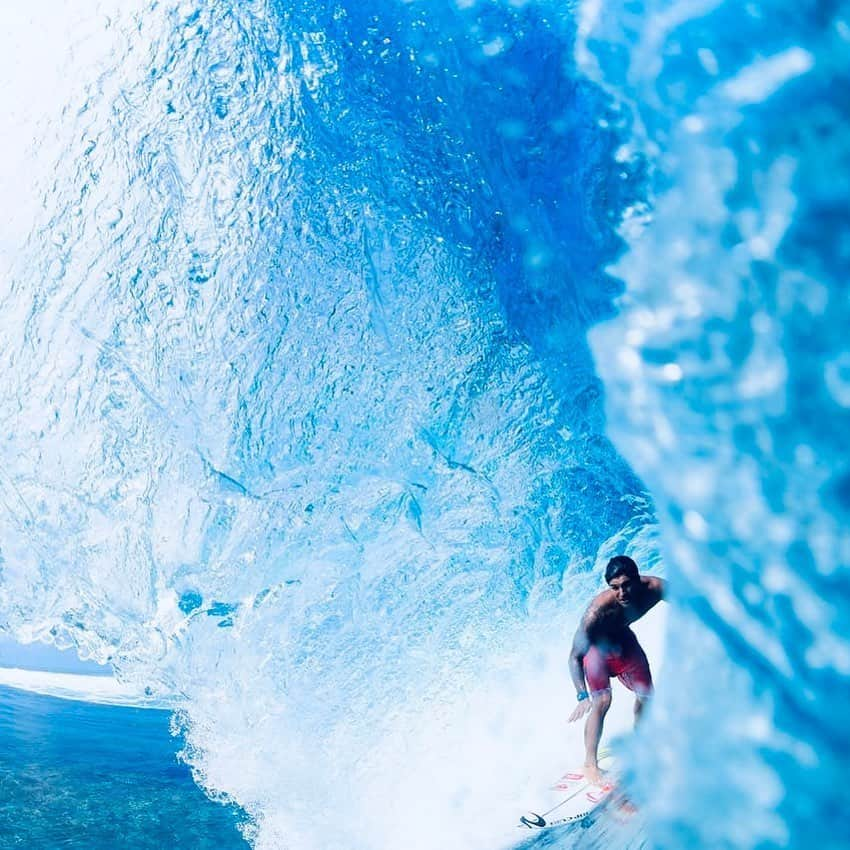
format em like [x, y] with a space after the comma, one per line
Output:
[302, 427]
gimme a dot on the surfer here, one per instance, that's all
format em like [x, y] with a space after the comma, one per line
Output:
[605, 646]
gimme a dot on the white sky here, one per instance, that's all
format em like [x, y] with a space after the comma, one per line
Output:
[39, 656]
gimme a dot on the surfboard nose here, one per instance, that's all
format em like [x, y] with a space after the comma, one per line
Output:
[532, 820]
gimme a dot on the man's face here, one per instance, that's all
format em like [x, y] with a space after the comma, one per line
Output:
[623, 587]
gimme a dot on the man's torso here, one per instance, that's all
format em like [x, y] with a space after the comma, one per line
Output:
[608, 623]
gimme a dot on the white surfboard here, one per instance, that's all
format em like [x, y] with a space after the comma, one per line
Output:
[571, 799]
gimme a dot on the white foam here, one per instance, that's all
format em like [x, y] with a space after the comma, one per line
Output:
[761, 79]
[86, 688]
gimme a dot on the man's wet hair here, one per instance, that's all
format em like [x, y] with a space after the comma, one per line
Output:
[621, 565]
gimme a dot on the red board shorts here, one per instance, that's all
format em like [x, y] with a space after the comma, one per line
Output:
[627, 662]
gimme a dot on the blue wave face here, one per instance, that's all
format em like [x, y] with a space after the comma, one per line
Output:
[303, 427]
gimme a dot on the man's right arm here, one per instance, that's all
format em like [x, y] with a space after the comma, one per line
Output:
[581, 645]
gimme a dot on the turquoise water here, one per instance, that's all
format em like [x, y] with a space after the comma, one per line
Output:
[96, 777]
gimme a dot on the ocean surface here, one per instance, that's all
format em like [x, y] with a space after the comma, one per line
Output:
[95, 777]
[343, 343]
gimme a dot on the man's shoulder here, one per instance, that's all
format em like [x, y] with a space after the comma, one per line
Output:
[653, 583]
[599, 604]
[654, 589]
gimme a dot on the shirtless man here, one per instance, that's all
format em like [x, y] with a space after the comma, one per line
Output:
[605, 646]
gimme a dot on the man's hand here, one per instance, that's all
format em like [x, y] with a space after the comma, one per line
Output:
[580, 710]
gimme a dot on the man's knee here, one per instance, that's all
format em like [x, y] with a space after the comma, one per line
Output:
[602, 700]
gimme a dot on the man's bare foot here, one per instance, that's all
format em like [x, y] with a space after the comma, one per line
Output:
[594, 775]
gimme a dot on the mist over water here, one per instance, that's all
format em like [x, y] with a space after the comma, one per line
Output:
[303, 429]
